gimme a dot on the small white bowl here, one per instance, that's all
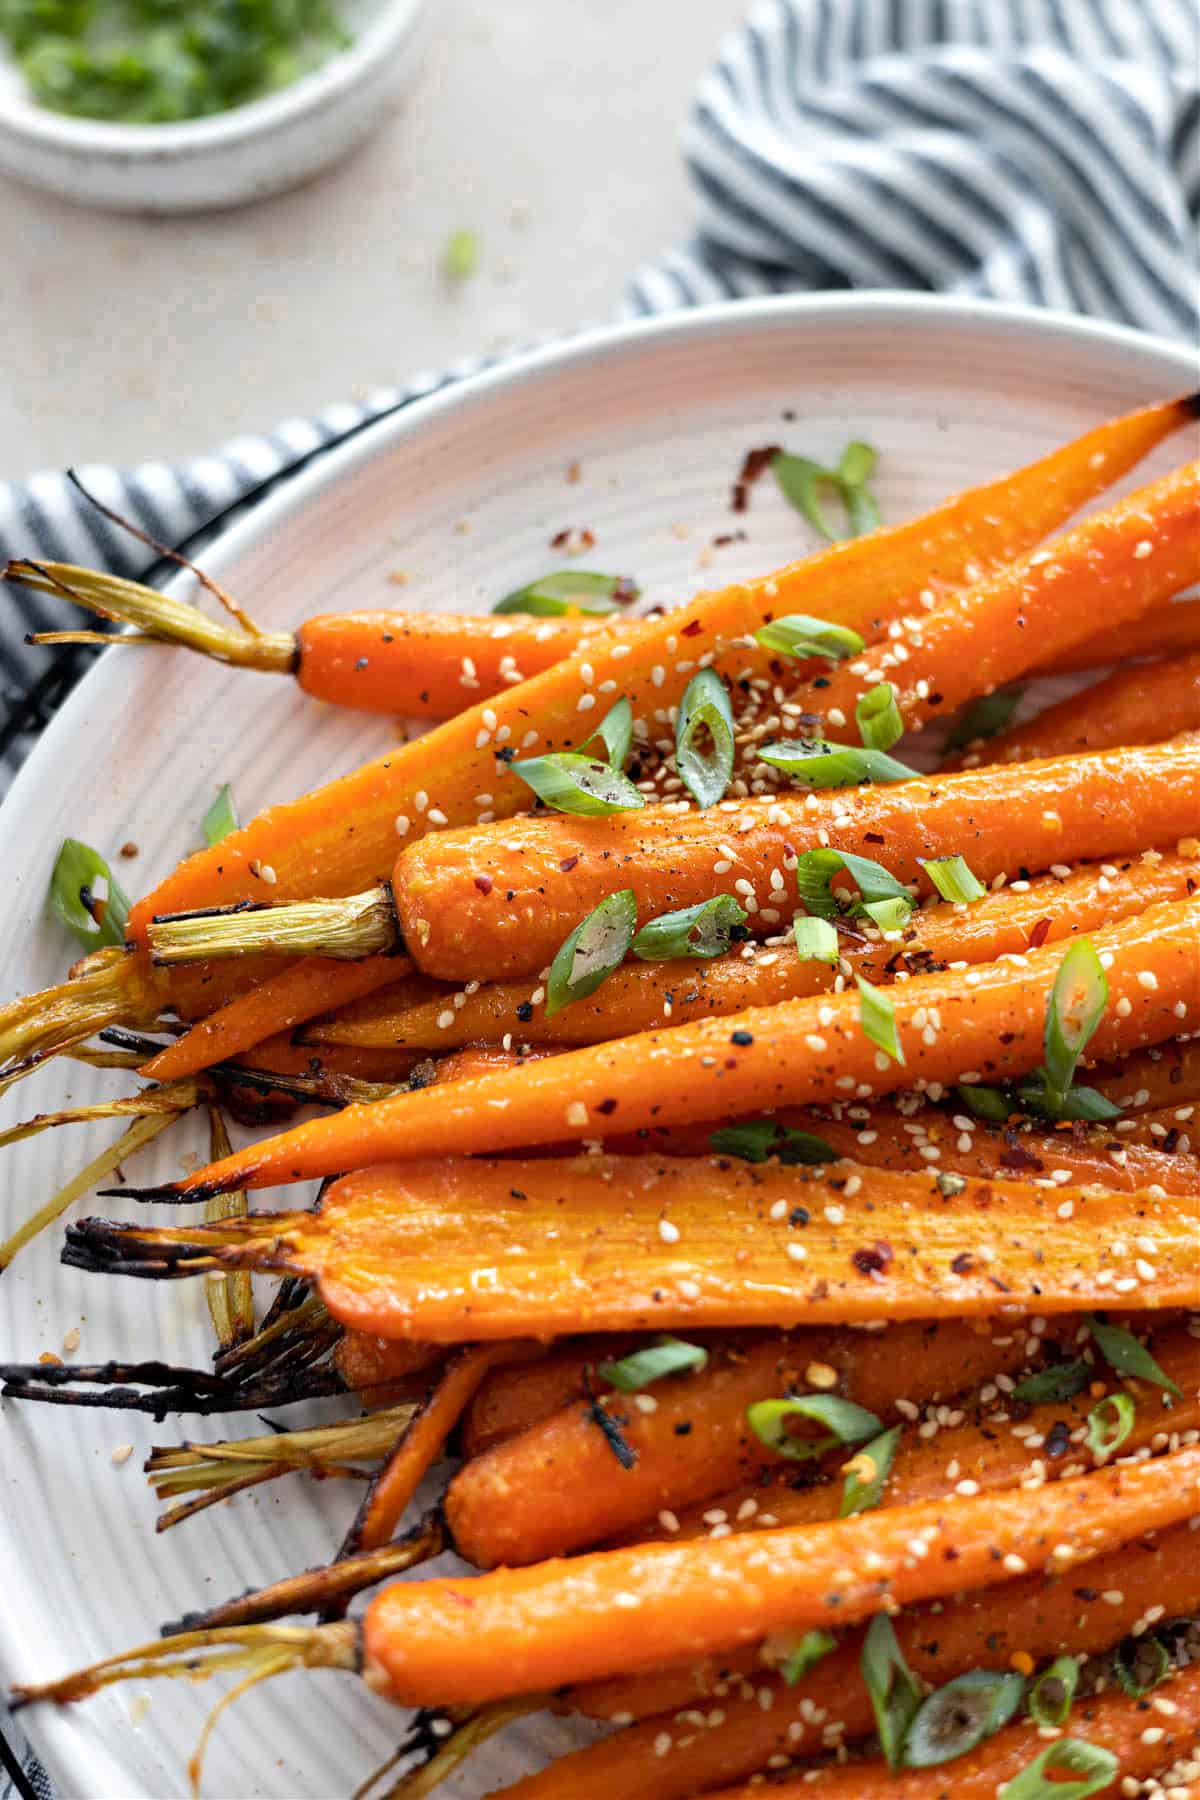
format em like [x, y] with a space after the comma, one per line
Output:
[229, 158]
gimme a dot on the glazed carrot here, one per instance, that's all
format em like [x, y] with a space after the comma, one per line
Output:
[381, 1367]
[482, 1059]
[518, 1631]
[1169, 1132]
[1166, 631]
[1139, 705]
[973, 1629]
[510, 1400]
[273, 1006]
[757, 1717]
[422, 1442]
[795, 1053]
[987, 1454]
[642, 996]
[1116, 565]
[1112, 804]
[1112, 1721]
[496, 1503]
[544, 1247]
[384, 1067]
[1161, 1076]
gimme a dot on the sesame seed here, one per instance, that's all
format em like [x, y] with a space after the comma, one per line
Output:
[1147, 979]
[1142, 550]
[577, 1113]
[668, 1232]
[797, 1252]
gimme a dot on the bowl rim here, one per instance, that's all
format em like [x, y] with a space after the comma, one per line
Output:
[321, 88]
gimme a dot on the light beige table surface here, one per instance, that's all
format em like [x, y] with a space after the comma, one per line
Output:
[549, 126]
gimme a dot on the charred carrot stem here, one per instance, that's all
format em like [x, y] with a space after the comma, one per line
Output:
[642, 996]
[1111, 1721]
[273, 1006]
[1028, 1617]
[518, 1631]
[795, 1053]
[1115, 566]
[1140, 705]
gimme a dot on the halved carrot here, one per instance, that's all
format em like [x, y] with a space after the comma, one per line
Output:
[577, 1245]
[522, 1631]
[1116, 565]
[1142, 704]
[696, 1441]
[272, 1006]
[985, 1453]
[987, 1023]
[1165, 631]
[1111, 1721]
[641, 996]
[743, 1715]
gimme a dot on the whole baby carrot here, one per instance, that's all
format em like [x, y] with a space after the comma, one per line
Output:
[1117, 565]
[1140, 704]
[986, 1024]
[1164, 631]
[500, 899]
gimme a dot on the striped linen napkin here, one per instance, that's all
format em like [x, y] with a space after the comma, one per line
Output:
[1038, 151]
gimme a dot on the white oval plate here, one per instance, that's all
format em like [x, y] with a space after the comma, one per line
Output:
[463, 493]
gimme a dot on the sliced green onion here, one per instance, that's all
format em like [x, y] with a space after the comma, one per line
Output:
[863, 1490]
[460, 255]
[845, 1423]
[668, 1356]
[819, 764]
[1122, 1352]
[857, 464]
[702, 930]
[815, 871]
[961, 1715]
[86, 897]
[879, 722]
[1035, 1095]
[990, 1103]
[954, 880]
[1126, 1658]
[1109, 1423]
[1051, 1695]
[1074, 1009]
[568, 591]
[813, 1646]
[754, 1140]
[615, 732]
[1094, 1768]
[877, 1016]
[798, 635]
[896, 1694]
[1062, 1382]
[889, 915]
[571, 783]
[816, 940]
[801, 481]
[704, 709]
[984, 718]
[220, 819]
[594, 949]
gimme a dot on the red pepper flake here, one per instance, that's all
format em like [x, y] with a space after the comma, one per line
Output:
[755, 463]
[874, 1258]
[1039, 933]
[692, 628]
[567, 864]
[728, 537]
[573, 538]
[484, 883]
[963, 1263]
[606, 1107]
[625, 590]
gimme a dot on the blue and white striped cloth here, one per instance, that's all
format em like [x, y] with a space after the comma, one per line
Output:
[1045, 151]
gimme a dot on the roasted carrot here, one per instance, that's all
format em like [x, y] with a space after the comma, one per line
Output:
[483, 1059]
[1142, 704]
[516, 1631]
[743, 1715]
[795, 1053]
[511, 1399]
[421, 1443]
[1171, 1132]
[502, 898]
[1160, 1076]
[271, 1007]
[281, 1055]
[642, 996]
[381, 1367]
[1165, 631]
[1111, 1721]
[1116, 565]
[986, 1453]
[430, 665]
[495, 1504]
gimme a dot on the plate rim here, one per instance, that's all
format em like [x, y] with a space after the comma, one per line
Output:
[53, 1736]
